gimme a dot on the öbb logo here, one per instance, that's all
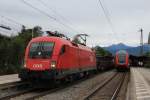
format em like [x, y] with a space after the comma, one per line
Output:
[37, 65]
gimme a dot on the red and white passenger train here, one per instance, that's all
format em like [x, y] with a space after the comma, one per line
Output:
[122, 60]
[50, 58]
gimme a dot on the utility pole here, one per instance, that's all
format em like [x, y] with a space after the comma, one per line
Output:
[141, 42]
[149, 38]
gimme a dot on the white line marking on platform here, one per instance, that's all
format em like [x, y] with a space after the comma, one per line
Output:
[141, 86]
[139, 93]
[143, 97]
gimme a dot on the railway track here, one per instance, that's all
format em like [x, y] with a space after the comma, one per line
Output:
[13, 89]
[26, 93]
[12, 85]
[116, 92]
[23, 91]
[39, 93]
[109, 89]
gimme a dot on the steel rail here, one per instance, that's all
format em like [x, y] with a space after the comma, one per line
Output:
[116, 92]
[87, 97]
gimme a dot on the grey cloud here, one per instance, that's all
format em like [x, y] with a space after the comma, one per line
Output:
[127, 17]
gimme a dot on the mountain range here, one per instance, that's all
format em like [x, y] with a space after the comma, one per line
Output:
[131, 50]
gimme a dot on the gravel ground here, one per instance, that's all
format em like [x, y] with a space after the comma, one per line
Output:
[77, 91]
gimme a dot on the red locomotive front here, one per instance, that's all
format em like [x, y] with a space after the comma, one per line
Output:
[56, 58]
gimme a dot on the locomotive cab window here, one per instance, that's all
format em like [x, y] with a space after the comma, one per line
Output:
[41, 49]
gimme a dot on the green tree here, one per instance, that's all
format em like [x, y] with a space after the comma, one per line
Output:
[147, 54]
[101, 52]
[12, 49]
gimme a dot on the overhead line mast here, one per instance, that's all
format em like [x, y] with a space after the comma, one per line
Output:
[141, 42]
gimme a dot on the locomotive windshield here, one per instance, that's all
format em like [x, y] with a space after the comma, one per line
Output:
[41, 50]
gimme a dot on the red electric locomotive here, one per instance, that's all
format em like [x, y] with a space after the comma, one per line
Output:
[54, 58]
[122, 60]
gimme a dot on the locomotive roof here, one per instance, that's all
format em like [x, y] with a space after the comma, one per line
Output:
[58, 40]
[122, 52]
[52, 39]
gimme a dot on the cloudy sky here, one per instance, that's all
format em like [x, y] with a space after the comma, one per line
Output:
[82, 16]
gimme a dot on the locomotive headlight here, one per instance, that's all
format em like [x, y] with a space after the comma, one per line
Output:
[25, 65]
[53, 64]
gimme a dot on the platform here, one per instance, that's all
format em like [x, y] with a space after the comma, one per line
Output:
[9, 78]
[140, 84]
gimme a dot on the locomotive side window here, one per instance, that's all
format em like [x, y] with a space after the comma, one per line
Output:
[41, 49]
[63, 50]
